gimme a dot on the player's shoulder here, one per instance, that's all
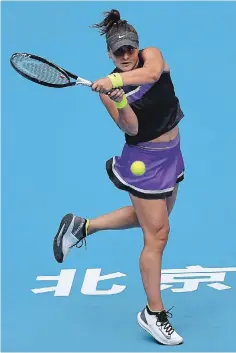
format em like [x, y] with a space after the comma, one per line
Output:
[150, 51]
[154, 53]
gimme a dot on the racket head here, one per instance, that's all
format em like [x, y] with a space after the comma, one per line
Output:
[41, 71]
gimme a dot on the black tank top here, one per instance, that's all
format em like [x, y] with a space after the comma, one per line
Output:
[156, 106]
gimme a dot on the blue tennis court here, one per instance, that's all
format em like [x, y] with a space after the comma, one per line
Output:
[55, 143]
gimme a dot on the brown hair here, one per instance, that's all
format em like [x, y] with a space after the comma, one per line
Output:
[113, 23]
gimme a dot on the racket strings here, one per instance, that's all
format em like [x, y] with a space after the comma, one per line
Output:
[40, 70]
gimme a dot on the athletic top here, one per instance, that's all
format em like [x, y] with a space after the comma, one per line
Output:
[156, 106]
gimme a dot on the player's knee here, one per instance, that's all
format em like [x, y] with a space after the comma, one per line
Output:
[156, 239]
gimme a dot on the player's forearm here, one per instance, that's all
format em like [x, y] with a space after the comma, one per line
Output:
[128, 121]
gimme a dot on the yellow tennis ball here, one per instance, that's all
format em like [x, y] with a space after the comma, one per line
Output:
[138, 168]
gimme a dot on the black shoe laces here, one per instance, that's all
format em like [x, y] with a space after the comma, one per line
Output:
[163, 322]
[78, 245]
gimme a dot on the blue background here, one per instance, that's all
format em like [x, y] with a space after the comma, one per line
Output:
[54, 147]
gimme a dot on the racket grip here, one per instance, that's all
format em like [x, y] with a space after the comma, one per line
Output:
[106, 93]
[83, 82]
[90, 83]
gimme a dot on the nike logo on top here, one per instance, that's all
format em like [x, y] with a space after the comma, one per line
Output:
[121, 36]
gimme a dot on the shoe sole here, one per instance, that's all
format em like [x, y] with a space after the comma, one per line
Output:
[57, 249]
[146, 328]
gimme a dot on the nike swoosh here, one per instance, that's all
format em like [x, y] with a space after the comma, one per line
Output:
[121, 37]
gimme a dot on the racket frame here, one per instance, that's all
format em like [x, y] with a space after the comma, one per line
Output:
[67, 74]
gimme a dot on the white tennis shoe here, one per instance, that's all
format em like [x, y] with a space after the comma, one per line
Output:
[72, 230]
[158, 325]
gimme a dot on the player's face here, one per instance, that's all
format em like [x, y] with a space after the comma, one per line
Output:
[125, 58]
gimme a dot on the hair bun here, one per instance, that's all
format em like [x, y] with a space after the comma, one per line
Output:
[114, 15]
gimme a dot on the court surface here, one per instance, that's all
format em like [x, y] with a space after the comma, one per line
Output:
[55, 143]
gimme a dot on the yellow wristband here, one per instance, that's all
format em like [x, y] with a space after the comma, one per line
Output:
[122, 104]
[116, 80]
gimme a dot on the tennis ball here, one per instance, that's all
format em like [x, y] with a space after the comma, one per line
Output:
[138, 168]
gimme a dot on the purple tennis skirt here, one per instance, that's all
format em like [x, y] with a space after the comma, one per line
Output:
[164, 169]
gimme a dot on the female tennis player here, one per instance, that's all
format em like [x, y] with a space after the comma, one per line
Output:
[144, 106]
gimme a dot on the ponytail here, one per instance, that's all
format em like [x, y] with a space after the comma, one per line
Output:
[111, 18]
[113, 23]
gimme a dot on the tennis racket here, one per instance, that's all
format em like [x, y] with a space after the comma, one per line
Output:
[44, 72]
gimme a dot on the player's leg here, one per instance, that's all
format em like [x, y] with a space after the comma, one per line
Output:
[74, 229]
[123, 218]
[153, 219]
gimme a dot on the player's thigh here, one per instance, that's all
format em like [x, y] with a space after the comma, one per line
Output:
[152, 214]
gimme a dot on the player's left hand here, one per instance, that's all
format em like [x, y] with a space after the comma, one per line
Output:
[117, 94]
[103, 85]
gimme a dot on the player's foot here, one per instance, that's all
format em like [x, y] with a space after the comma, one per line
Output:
[72, 230]
[158, 325]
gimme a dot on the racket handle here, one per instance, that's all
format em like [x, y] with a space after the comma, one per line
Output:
[90, 83]
[83, 82]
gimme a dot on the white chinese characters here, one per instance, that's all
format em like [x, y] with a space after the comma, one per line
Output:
[192, 276]
[64, 283]
[178, 280]
[89, 287]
